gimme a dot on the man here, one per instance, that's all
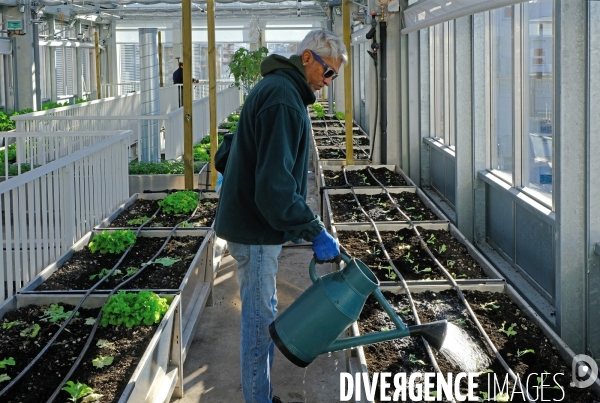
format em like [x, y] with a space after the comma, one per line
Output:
[262, 203]
[178, 74]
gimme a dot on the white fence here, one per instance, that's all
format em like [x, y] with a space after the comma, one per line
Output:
[45, 211]
[116, 89]
[228, 100]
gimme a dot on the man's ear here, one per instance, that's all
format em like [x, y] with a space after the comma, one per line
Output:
[306, 57]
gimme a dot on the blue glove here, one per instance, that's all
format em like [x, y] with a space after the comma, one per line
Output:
[325, 246]
[219, 183]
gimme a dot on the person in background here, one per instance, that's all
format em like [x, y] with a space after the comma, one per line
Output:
[178, 74]
[262, 201]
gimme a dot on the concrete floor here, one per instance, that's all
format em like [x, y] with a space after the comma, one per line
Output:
[212, 369]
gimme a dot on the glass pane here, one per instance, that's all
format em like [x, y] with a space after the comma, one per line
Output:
[502, 89]
[439, 82]
[538, 96]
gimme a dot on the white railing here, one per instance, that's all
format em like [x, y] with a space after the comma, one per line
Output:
[228, 100]
[115, 89]
[45, 211]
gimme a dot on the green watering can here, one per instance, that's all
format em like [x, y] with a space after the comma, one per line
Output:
[312, 324]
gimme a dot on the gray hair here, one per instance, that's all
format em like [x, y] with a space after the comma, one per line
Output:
[325, 44]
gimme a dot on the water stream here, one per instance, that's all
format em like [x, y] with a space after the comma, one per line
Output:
[460, 349]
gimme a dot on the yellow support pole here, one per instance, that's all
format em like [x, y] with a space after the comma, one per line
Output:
[348, 83]
[188, 134]
[212, 90]
[97, 48]
[160, 59]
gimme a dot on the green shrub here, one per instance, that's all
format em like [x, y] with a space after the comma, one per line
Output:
[182, 202]
[201, 154]
[12, 154]
[112, 242]
[13, 169]
[133, 309]
[233, 117]
[340, 115]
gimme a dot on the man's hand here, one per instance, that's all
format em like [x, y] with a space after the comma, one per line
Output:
[325, 247]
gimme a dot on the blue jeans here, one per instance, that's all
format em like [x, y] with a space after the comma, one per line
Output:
[257, 268]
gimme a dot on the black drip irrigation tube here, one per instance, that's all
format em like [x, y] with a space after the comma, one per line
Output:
[448, 276]
[354, 143]
[32, 363]
[400, 277]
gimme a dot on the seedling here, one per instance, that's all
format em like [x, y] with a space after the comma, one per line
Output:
[4, 377]
[138, 221]
[459, 276]
[30, 331]
[425, 270]
[186, 224]
[80, 391]
[487, 371]
[521, 353]
[410, 208]
[484, 397]
[7, 361]
[489, 306]
[408, 259]
[503, 397]
[112, 242]
[390, 272]
[166, 261]
[90, 321]
[8, 325]
[55, 313]
[103, 273]
[405, 312]
[459, 322]
[102, 361]
[413, 359]
[105, 344]
[384, 329]
[131, 271]
[450, 263]
[510, 331]
[441, 249]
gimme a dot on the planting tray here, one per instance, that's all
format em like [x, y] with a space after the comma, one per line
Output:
[158, 182]
[357, 364]
[194, 290]
[361, 155]
[329, 215]
[145, 196]
[340, 230]
[326, 169]
[159, 373]
[335, 139]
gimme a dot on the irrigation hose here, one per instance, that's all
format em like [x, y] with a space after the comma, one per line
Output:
[456, 287]
[114, 290]
[400, 277]
[34, 361]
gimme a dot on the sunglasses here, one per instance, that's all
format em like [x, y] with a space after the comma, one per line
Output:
[329, 72]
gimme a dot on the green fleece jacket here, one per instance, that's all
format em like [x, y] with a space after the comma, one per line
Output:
[262, 199]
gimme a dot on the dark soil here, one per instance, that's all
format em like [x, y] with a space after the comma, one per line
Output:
[75, 273]
[392, 356]
[326, 124]
[336, 153]
[545, 357]
[339, 140]
[364, 177]
[46, 375]
[409, 258]
[204, 216]
[379, 208]
[338, 131]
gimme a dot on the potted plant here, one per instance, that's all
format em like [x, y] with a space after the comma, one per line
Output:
[245, 67]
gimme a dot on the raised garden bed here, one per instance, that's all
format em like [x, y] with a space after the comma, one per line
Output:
[329, 155]
[191, 277]
[343, 208]
[458, 256]
[335, 140]
[146, 204]
[147, 365]
[361, 176]
[549, 354]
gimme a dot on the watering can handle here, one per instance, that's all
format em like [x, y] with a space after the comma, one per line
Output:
[311, 268]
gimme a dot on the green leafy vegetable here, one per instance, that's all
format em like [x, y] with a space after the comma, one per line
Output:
[138, 221]
[112, 242]
[166, 261]
[133, 309]
[4, 377]
[104, 272]
[7, 361]
[105, 344]
[54, 313]
[30, 331]
[79, 390]
[102, 361]
[182, 202]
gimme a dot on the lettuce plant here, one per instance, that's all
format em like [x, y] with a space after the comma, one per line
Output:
[112, 242]
[133, 309]
[182, 202]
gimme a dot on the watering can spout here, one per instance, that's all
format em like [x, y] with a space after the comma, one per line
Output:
[433, 332]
